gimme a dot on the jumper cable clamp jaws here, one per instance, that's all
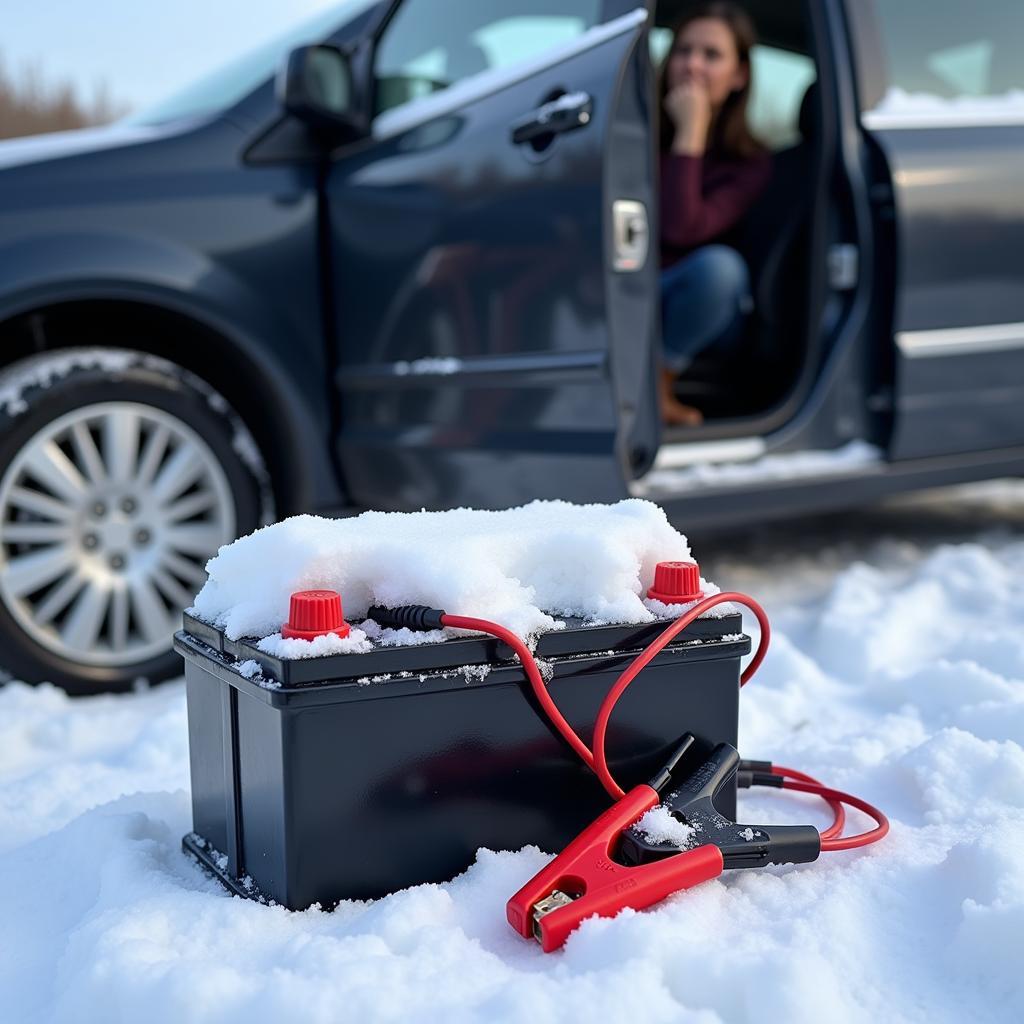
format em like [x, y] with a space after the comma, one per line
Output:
[611, 865]
[742, 846]
[587, 879]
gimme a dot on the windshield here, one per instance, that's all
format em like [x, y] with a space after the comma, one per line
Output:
[228, 84]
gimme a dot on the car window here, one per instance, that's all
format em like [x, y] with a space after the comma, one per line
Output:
[429, 45]
[779, 81]
[947, 56]
[233, 81]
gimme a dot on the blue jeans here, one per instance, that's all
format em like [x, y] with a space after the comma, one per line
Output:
[704, 300]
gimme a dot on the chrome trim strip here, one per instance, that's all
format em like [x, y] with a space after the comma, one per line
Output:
[447, 101]
[526, 369]
[958, 341]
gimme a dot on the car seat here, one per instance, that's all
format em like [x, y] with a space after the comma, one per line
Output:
[773, 240]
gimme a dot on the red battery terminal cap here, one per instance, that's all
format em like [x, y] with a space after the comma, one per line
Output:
[314, 613]
[676, 583]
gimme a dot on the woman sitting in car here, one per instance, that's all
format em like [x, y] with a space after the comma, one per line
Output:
[712, 171]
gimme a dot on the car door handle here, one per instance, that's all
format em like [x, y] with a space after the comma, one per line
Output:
[564, 114]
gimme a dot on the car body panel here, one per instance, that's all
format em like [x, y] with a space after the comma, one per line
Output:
[169, 219]
[959, 313]
[955, 189]
[472, 291]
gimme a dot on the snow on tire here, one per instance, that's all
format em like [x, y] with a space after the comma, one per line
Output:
[121, 474]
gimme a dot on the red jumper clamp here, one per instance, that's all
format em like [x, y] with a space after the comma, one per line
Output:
[611, 864]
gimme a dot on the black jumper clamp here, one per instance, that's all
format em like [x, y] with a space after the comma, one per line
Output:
[612, 865]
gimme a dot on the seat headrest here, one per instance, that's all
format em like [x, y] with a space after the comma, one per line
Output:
[809, 110]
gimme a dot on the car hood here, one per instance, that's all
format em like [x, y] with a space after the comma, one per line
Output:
[36, 149]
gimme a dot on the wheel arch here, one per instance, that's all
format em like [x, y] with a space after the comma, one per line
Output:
[237, 365]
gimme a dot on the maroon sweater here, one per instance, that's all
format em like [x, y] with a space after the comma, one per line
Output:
[704, 197]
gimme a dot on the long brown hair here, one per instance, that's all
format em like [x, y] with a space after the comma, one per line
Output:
[731, 137]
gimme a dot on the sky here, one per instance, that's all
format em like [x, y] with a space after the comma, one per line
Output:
[144, 50]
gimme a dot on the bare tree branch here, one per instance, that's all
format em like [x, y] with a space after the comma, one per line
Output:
[29, 105]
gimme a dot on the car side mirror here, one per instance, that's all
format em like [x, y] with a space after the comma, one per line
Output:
[316, 86]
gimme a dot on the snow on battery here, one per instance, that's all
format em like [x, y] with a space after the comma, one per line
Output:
[524, 567]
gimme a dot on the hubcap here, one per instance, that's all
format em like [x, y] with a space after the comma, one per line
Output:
[107, 518]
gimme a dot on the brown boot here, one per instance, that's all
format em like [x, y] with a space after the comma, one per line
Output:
[673, 412]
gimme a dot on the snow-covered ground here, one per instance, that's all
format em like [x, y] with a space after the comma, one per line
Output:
[896, 672]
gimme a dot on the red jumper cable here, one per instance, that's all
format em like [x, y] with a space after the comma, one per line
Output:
[610, 865]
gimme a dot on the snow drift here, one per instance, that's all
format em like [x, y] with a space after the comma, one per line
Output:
[896, 672]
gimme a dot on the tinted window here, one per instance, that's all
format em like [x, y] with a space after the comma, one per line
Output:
[951, 54]
[431, 44]
[780, 82]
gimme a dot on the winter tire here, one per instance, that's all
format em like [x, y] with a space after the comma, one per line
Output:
[120, 475]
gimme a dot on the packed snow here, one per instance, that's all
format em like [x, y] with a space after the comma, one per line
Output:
[896, 672]
[522, 567]
[384, 636]
[659, 825]
[42, 369]
[899, 108]
[853, 457]
[355, 642]
[361, 638]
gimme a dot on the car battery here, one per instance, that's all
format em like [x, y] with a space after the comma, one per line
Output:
[350, 776]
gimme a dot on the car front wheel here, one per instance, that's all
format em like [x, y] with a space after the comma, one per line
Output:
[120, 476]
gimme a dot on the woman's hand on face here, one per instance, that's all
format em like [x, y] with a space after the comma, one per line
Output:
[689, 107]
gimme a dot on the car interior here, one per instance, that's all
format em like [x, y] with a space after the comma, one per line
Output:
[738, 394]
[784, 114]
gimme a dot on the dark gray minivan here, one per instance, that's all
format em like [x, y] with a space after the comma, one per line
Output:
[415, 267]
